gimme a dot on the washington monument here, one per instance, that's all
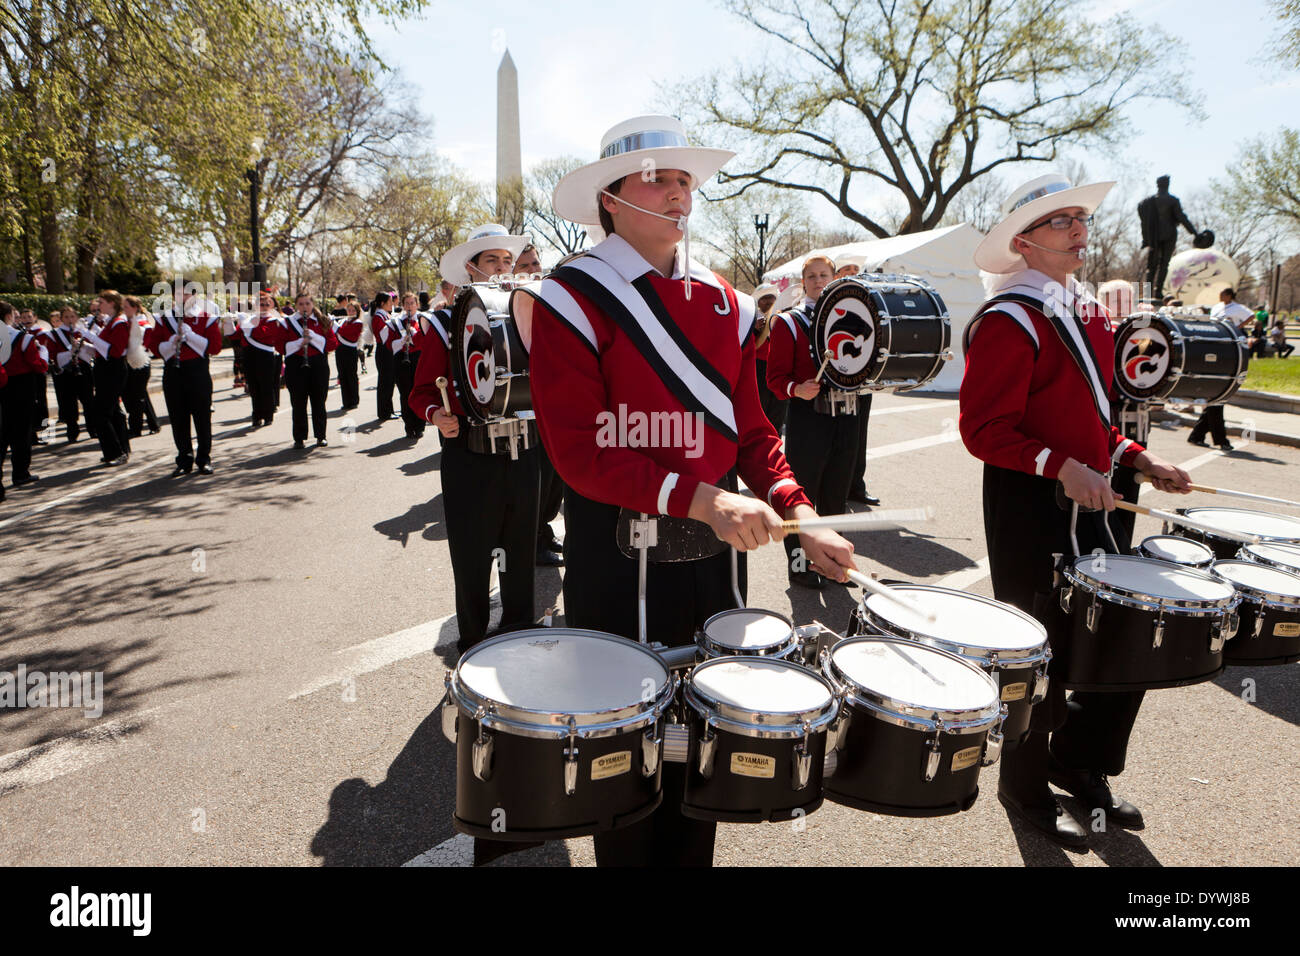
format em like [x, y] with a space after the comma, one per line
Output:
[510, 172]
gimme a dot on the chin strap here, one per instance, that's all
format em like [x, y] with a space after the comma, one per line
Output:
[679, 221]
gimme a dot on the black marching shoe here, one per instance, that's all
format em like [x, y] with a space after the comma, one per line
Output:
[321, 443]
[865, 497]
[26, 480]
[181, 470]
[1226, 446]
[1093, 790]
[1201, 443]
[299, 444]
[205, 469]
[1050, 820]
[546, 558]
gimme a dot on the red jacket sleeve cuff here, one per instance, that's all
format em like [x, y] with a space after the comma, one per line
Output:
[676, 495]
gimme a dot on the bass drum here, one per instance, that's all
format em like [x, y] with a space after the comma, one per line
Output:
[488, 357]
[882, 331]
[1162, 357]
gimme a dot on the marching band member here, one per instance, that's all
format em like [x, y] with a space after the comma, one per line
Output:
[405, 340]
[774, 406]
[818, 445]
[139, 406]
[40, 392]
[71, 358]
[110, 343]
[25, 360]
[262, 359]
[185, 342]
[634, 327]
[347, 329]
[489, 499]
[1035, 410]
[304, 339]
[382, 332]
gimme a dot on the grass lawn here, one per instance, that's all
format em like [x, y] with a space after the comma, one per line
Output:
[1275, 375]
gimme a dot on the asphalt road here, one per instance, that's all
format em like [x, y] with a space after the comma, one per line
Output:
[273, 641]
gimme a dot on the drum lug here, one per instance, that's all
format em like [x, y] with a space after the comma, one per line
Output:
[651, 747]
[708, 744]
[1094, 616]
[449, 713]
[993, 742]
[482, 754]
[932, 758]
[1259, 624]
[801, 768]
[1066, 594]
[947, 355]
[1159, 636]
[571, 761]
[1040, 684]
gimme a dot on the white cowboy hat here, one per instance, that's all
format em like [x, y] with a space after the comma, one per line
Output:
[767, 288]
[633, 146]
[490, 236]
[1026, 204]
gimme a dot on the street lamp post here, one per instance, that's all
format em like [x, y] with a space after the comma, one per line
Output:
[760, 224]
[254, 183]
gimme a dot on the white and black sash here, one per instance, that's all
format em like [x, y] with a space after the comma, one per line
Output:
[638, 311]
[437, 324]
[1064, 318]
[800, 316]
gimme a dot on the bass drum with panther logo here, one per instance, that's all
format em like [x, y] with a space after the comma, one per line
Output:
[488, 357]
[1163, 356]
[883, 331]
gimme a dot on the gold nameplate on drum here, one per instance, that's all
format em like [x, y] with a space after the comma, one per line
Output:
[966, 758]
[611, 765]
[1015, 691]
[753, 765]
[1286, 629]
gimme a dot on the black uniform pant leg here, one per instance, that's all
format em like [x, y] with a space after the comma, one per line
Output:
[345, 359]
[808, 439]
[858, 479]
[549, 498]
[472, 488]
[16, 438]
[177, 399]
[404, 375]
[198, 392]
[65, 396]
[262, 371]
[1124, 484]
[85, 385]
[384, 387]
[150, 416]
[518, 517]
[41, 400]
[110, 380]
[833, 494]
[296, 379]
[1211, 421]
[319, 381]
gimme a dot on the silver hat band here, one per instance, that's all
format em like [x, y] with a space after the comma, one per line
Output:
[647, 139]
[1039, 194]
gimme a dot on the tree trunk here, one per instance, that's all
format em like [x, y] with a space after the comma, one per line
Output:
[29, 271]
[51, 254]
[86, 268]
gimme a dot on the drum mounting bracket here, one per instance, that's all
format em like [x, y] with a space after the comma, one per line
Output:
[482, 755]
[571, 761]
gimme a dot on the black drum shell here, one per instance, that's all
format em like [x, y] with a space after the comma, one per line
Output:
[1120, 656]
[729, 797]
[881, 768]
[1208, 359]
[1016, 724]
[527, 782]
[1269, 648]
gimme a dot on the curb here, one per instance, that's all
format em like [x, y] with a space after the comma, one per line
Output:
[1266, 401]
[1271, 438]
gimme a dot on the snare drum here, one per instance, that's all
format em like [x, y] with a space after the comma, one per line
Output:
[1271, 528]
[882, 330]
[558, 733]
[1283, 556]
[1140, 624]
[1003, 640]
[746, 631]
[1176, 550]
[1269, 632]
[1163, 357]
[758, 739]
[921, 723]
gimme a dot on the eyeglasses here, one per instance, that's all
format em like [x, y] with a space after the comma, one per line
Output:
[1061, 223]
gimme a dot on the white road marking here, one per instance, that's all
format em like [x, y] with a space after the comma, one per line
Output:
[896, 409]
[960, 580]
[914, 444]
[381, 652]
[458, 851]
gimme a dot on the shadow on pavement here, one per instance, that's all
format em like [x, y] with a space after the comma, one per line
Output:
[425, 518]
[908, 554]
[1276, 689]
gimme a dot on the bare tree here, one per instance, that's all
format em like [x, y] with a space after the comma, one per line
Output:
[727, 227]
[540, 218]
[922, 97]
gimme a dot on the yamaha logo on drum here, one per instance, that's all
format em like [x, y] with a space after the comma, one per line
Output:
[545, 645]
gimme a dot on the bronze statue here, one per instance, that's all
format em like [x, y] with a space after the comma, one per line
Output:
[1161, 215]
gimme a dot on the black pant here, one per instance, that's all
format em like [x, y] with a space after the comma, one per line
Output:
[110, 423]
[1024, 528]
[307, 382]
[858, 479]
[345, 358]
[1211, 421]
[70, 388]
[40, 403]
[187, 390]
[820, 449]
[262, 377]
[139, 406]
[384, 388]
[404, 365]
[1124, 484]
[549, 498]
[489, 503]
[1158, 265]
[600, 593]
[17, 409]
[1284, 351]
[773, 407]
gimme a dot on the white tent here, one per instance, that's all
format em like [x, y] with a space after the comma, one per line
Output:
[943, 257]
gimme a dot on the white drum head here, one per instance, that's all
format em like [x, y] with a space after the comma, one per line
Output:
[1259, 577]
[1249, 522]
[1155, 578]
[914, 674]
[761, 686]
[559, 671]
[1168, 547]
[962, 619]
[1277, 554]
[747, 630]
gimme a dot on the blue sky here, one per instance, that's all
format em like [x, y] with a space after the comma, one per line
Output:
[570, 92]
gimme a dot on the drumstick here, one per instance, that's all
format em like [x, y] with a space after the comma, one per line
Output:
[893, 594]
[1188, 522]
[866, 521]
[826, 357]
[1229, 492]
[442, 387]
